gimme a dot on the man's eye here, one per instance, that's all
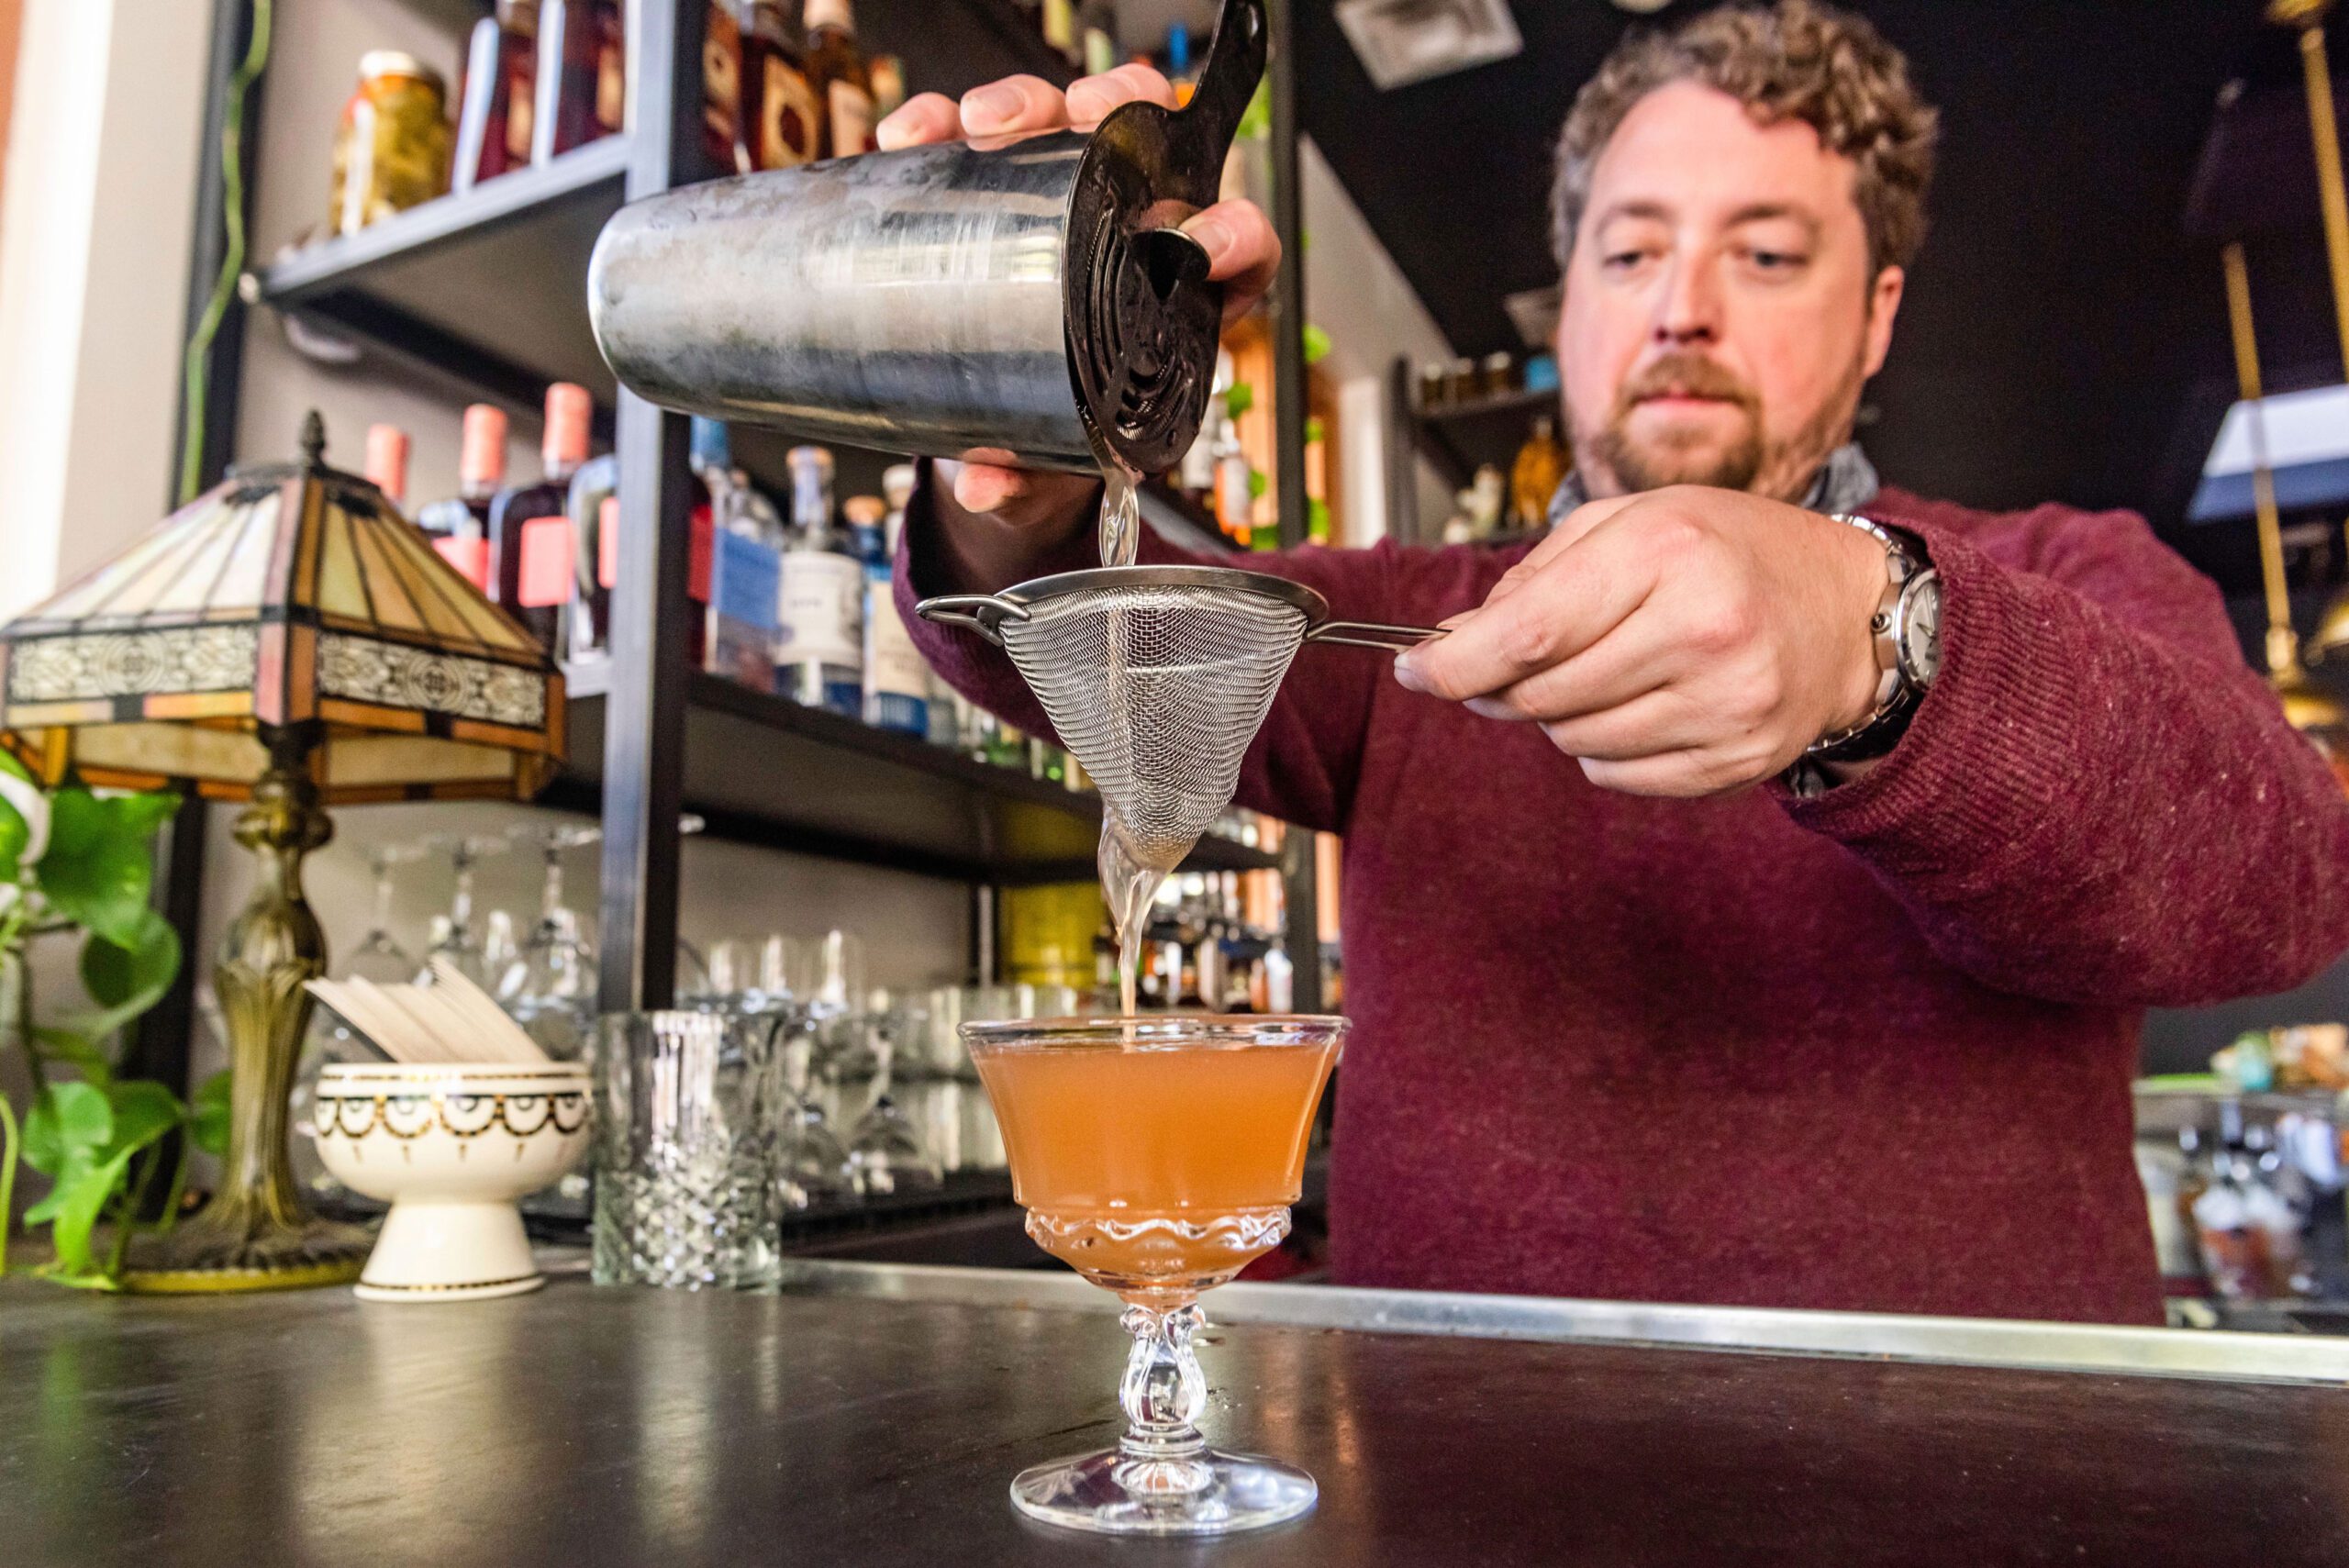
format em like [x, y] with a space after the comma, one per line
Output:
[1775, 260]
[1622, 261]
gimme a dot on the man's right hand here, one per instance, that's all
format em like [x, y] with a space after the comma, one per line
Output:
[1039, 510]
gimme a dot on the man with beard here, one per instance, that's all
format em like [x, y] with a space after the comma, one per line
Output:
[1754, 899]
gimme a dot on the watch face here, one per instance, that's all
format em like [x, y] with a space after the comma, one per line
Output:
[1920, 630]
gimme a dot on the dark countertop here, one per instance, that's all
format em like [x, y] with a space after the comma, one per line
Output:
[590, 1428]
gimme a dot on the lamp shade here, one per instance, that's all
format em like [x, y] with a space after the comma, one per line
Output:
[293, 597]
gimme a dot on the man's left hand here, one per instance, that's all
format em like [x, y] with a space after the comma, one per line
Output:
[1686, 641]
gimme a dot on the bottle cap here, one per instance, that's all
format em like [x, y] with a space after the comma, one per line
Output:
[378, 63]
[569, 410]
[898, 484]
[387, 460]
[864, 511]
[803, 457]
[830, 14]
[480, 461]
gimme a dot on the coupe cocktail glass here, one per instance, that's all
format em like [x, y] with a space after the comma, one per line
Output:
[1156, 1156]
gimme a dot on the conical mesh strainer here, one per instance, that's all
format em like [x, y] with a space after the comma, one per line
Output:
[1158, 677]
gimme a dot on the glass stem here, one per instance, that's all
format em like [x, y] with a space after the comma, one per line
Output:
[383, 896]
[1163, 1390]
[550, 896]
[461, 910]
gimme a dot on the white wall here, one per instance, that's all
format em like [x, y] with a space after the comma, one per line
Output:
[95, 217]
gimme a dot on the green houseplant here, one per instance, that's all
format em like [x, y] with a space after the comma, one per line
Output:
[76, 865]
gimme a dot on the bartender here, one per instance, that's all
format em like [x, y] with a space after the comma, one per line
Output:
[1755, 898]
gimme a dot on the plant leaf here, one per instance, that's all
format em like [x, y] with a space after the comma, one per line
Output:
[141, 814]
[71, 1046]
[1317, 344]
[80, 1197]
[127, 980]
[97, 873]
[209, 1116]
[1239, 398]
[144, 1111]
[66, 1117]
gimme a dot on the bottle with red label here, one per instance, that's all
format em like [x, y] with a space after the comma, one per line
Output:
[836, 71]
[459, 526]
[386, 467]
[530, 540]
[497, 107]
[594, 509]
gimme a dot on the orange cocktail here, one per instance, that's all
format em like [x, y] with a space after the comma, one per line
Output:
[1156, 1156]
[1154, 1165]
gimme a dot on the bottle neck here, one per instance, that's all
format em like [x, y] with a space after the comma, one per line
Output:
[561, 469]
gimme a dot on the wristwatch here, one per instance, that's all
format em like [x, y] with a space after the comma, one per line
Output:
[1907, 627]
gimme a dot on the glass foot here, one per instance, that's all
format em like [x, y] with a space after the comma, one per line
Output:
[1205, 1493]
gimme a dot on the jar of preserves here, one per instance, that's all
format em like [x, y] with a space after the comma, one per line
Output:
[391, 151]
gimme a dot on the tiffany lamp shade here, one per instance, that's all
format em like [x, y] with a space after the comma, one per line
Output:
[288, 641]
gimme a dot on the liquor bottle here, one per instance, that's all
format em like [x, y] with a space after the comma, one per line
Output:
[897, 679]
[387, 464]
[459, 526]
[889, 74]
[1235, 500]
[836, 71]
[866, 536]
[1060, 29]
[1535, 478]
[745, 575]
[594, 509]
[822, 636]
[722, 89]
[1178, 60]
[1097, 35]
[495, 116]
[531, 546]
[782, 121]
[572, 35]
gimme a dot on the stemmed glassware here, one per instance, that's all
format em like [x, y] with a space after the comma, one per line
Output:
[377, 956]
[551, 989]
[457, 940]
[883, 1150]
[1157, 1156]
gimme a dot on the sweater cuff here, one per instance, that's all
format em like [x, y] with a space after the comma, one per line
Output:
[1986, 752]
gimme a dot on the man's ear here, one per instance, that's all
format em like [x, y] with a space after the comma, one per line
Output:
[1884, 304]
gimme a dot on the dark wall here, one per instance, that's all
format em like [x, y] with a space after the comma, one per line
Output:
[2058, 325]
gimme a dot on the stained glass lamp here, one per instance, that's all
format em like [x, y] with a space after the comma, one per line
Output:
[288, 641]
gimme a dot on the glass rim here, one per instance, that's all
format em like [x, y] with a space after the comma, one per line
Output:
[1162, 1030]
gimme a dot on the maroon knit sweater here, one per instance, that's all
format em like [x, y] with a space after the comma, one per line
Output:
[1869, 1051]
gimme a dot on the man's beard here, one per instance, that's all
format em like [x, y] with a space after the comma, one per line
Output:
[1745, 462]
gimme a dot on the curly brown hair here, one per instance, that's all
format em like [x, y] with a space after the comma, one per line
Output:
[1795, 60]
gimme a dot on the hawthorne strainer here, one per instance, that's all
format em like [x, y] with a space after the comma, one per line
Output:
[1157, 678]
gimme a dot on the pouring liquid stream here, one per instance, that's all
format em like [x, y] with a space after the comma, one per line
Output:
[1129, 887]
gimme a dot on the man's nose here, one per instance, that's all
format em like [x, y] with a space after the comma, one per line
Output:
[1689, 309]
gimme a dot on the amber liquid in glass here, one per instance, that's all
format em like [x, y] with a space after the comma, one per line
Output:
[1154, 1170]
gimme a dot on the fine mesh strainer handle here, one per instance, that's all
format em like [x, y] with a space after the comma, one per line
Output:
[983, 613]
[1368, 634]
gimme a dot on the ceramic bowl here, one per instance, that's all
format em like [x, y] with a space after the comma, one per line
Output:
[451, 1149]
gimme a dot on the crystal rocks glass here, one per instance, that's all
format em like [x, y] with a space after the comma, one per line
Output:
[1156, 1156]
[688, 1106]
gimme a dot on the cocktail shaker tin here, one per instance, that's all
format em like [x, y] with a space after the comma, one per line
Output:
[1031, 300]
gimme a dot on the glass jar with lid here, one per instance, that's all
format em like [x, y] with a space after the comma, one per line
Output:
[391, 151]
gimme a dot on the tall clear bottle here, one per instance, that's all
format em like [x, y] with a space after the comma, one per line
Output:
[782, 122]
[594, 507]
[836, 71]
[459, 525]
[822, 612]
[896, 677]
[531, 542]
[497, 112]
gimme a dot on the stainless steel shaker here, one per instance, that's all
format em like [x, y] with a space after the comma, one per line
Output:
[1031, 300]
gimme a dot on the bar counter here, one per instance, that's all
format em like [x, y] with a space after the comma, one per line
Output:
[876, 1414]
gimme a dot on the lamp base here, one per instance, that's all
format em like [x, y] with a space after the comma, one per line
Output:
[210, 1256]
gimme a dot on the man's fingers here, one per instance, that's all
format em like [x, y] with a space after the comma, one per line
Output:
[1679, 775]
[982, 487]
[1242, 251]
[1016, 104]
[1092, 99]
[1624, 666]
[1655, 724]
[1584, 594]
[920, 119]
[1569, 530]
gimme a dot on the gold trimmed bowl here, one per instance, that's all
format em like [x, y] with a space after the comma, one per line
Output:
[451, 1149]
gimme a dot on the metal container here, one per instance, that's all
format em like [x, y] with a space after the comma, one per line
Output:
[1031, 300]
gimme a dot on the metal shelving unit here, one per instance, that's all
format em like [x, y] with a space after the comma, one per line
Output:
[484, 293]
